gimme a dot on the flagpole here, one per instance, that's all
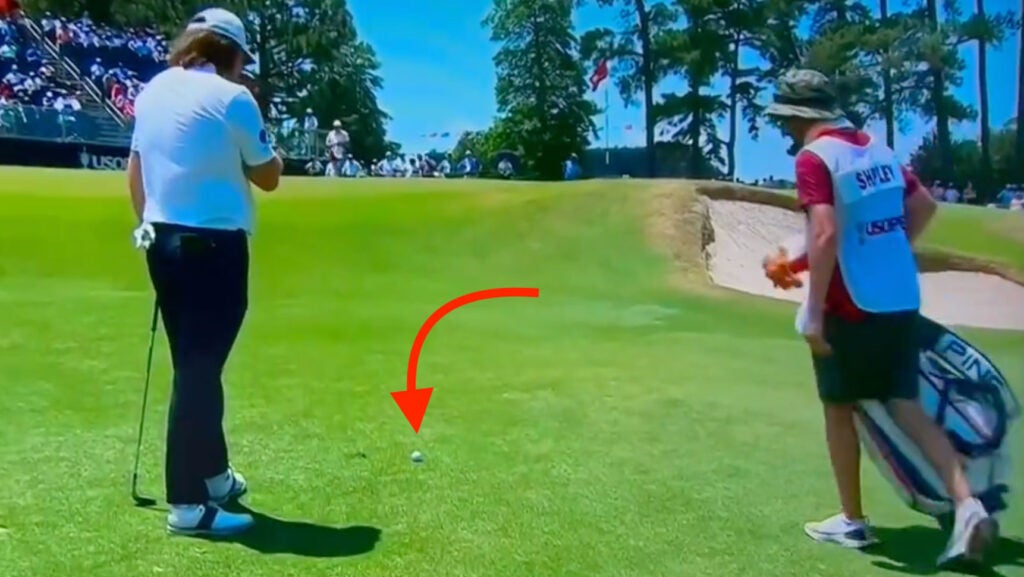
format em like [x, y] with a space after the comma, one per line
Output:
[607, 151]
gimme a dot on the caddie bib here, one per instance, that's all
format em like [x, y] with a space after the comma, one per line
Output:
[874, 252]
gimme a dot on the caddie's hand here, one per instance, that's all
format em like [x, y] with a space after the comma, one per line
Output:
[776, 269]
[143, 236]
[814, 334]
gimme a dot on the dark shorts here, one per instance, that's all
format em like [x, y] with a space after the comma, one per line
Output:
[876, 358]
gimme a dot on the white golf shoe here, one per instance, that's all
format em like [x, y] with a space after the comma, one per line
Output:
[206, 520]
[840, 530]
[974, 533]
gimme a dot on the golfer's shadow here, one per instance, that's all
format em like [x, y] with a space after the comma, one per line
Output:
[913, 551]
[270, 535]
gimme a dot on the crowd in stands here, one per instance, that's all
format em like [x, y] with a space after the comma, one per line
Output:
[33, 100]
[394, 165]
[118, 61]
[1011, 197]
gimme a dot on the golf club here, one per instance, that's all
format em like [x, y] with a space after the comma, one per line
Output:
[141, 501]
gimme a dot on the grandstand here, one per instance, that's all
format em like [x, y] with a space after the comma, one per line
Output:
[71, 80]
[44, 95]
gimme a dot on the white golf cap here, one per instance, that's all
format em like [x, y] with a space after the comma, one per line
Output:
[224, 23]
[337, 124]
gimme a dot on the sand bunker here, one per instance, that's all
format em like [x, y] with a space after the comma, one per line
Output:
[742, 233]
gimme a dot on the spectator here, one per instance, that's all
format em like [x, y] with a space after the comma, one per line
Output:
[337, 141]
[12, 115]
[951, 195]
[30, 83]
[1018, 201]
[573, 171]
[427, 165]
[351, 168]
[938, 191]
[49, 24]
[69, 102]
[314, 167]
[310, 125]
[8, 52]
[469, 166]
[1004, 198]
[335, 164]
[68, 121]
[13, 76]
[444, 169]
[396, 165]
[970, 195]
[97, 71]
[403, 166]
[505, 169]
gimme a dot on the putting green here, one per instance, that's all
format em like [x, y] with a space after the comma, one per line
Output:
[632, 421]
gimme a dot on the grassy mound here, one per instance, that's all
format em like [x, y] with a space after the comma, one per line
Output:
[963, 238]
[617, 425]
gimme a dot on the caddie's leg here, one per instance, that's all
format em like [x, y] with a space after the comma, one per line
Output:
[935, 445]
[973, 531]
[844, 452]
[838, 393]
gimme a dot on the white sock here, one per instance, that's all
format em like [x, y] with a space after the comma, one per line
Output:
[853, 522]
[969, 506]
[219, 484]
[185, 515]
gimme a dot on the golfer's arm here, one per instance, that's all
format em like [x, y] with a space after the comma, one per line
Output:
[920, 208]
[821, 252]
[135, 187]
[266, 176]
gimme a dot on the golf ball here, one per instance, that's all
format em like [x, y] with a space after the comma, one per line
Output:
[416, 456]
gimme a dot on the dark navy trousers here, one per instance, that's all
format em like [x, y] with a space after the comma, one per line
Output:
[201, 281]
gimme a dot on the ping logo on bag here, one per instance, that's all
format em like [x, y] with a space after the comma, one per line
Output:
[972, 413]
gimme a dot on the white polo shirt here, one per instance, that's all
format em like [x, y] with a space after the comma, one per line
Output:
[194, 131]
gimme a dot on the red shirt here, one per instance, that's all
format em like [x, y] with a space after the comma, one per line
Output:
[814, 186]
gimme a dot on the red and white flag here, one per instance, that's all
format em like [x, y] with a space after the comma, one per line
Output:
[599, 75]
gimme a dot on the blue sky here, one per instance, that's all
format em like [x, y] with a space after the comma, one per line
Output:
[438, 77]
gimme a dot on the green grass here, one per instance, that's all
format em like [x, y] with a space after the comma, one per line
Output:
[615, 426]
[996, 235]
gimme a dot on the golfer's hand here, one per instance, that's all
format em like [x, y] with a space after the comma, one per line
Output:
[143, 236]
[814, 334]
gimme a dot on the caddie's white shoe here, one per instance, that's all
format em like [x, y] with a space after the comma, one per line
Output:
[842, 531]
[206, 520]
[226, 487]
[974, 533]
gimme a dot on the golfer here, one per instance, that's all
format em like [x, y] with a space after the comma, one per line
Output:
[199, 141]
[864, 211]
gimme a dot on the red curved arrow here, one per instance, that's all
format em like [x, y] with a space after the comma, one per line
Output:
[412, 401]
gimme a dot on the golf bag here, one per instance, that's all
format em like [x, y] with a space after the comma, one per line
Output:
[969, 398]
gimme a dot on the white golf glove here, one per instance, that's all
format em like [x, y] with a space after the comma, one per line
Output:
[144, 236]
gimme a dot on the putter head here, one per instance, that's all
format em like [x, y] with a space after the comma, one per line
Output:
[141, 501]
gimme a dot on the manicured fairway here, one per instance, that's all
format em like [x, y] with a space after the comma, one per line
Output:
[618, 426]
